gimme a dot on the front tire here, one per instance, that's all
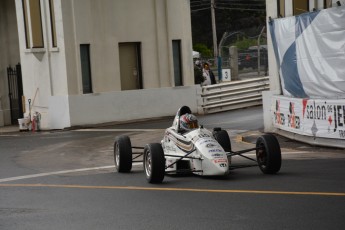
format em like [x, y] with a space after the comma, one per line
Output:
[269, 155]
[123, 154]
[154, 163]
[223, 139]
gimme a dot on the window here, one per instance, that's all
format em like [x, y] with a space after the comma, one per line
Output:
[85, 68]
[300, 6]
[281, 8]
[36, 24]
[176, 46]
[26, 24]
[52, 22]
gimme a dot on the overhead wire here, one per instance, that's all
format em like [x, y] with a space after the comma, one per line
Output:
[253, 5]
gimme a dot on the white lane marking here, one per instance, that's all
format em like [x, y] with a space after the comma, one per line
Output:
[6, 135]
[118, 130]
[58, 172]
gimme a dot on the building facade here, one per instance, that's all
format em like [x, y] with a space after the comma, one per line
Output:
[88, 62]
[9, 55]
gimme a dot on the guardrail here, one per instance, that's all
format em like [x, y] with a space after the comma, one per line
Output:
[233, 95]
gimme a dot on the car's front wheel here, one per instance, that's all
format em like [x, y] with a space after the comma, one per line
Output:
[223, 139]
[123, 154]
[154, 163]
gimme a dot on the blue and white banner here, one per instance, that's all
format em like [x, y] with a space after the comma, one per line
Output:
[310, 52]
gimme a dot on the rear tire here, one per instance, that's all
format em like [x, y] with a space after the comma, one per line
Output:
[154, 163]
[269, 155]
[123, 154]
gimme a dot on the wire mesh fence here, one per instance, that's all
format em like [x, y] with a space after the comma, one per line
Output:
[244, 53]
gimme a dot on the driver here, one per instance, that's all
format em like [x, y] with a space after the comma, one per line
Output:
[188, 122]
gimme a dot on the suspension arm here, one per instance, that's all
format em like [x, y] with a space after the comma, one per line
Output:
[185, 156]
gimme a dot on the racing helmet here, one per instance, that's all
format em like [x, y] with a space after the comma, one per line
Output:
[188, 122]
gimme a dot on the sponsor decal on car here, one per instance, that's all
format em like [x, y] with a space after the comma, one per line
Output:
[215, 150]
[217, 155]
[210, 145]
[170, 148]
[204, 141]
[220, 161]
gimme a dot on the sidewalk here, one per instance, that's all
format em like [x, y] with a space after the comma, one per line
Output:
[9, 129]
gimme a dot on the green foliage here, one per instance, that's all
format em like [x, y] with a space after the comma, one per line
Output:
[202, 49]
[245, 43]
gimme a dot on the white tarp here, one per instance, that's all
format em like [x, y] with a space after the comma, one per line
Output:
[310, 52]
[310, 117]
[196, 54]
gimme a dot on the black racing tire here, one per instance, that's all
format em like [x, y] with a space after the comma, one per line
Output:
[269, 155]
[123, 154]
[154, 163]
[223, 139]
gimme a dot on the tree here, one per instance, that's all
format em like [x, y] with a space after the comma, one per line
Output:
[248, 16]
[203, 50]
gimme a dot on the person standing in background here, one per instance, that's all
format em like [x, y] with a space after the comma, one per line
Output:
[198, 76]
[209, 78]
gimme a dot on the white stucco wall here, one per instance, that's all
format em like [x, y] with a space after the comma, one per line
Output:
[36, 65]
[120, 106]
[52, 76]
[104, 24]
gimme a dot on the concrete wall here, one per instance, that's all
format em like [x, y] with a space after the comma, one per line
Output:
[106, 23]
[120, 106]
[9, 54]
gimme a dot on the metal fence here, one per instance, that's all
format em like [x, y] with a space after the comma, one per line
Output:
[233, 95]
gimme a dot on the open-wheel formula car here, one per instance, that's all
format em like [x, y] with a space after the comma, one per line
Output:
[197, 150]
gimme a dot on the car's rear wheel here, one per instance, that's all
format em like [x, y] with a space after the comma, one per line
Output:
[154, 163]
[123, 154]
[268, 154]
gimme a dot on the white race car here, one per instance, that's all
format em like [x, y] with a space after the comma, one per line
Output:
[198, 151]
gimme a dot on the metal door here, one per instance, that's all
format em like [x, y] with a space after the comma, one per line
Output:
[15, 89]
[130, 66]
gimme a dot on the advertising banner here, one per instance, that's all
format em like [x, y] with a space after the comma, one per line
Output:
[310, 53]
[310, 117]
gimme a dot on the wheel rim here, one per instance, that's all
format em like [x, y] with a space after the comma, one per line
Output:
[261, 155]
[148, 164]
[117, 155]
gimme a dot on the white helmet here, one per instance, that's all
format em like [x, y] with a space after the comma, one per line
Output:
[188, 122]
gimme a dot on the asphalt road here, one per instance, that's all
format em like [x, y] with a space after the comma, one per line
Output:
[67, 180]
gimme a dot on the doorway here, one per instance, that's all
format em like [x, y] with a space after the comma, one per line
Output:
[130, 65]
[176, 46]
[15, 89]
